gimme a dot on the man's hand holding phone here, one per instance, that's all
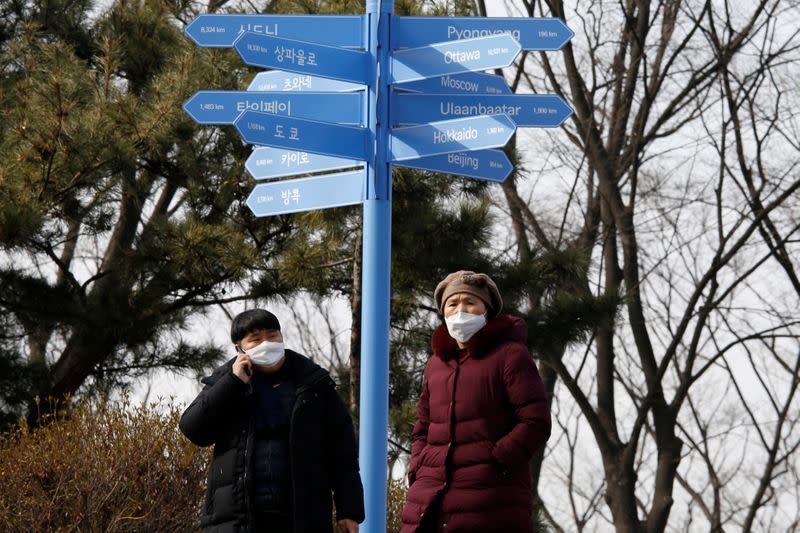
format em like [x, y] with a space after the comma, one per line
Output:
[243, 367]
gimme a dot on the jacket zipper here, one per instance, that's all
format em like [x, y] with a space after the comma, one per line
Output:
[247, 452]
[298, 404]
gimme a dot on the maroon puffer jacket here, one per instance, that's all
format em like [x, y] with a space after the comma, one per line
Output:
[481, 415]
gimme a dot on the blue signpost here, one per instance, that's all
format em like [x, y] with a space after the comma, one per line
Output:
[267, 163]
[339, 91]
[221, 31]
[439, 59]
[223, 107]
[489, 165]
[532, 33]
[278, 80]
[303, 57]
[474, 133]
[464, 83]
[526, 110]
[306, 194]
[266, 129]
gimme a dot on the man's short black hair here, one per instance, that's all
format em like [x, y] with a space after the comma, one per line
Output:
[252, 320]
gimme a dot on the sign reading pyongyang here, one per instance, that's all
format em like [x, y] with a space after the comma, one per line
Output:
[531, 33]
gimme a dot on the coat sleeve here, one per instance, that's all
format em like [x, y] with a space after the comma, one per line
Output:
[348, 492]
[205, 417]
[419, 436]
[526, 394]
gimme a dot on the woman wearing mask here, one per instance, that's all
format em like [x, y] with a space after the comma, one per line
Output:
[482, 414]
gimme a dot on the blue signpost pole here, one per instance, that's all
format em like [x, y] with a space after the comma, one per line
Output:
[376, 268]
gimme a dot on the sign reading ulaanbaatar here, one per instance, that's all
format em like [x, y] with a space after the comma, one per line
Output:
[526, 110]
[464, 83]
[220, 31]
[531, 33]
[278, 80]
[301, 56]
[490, 165]
[475, 133]
[266, 129]
[266, 162]
[222, 107]
[439, 59]
[306, 194]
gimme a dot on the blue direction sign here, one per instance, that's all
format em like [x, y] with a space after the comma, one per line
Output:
[278, 80]
[303, 57]
[266, 162]
[222, 107]
[475, 133]
[306, 194]
[221, 31]
[465, 83]
[454, 57]
[491, 165]
[532, 33]
[305, 135]
[526, 110]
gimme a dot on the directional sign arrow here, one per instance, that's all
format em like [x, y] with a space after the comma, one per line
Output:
[306, 194]
[475, 133]
[266, 162]
[222, 107]
[220, 31]
[303, 57]
[526, 110]
[465, 83]
[454, 57]
[532, 33]
[278, 80]
[491, 165]
[303, 135]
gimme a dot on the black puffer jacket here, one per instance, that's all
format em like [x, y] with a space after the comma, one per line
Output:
[323, 450]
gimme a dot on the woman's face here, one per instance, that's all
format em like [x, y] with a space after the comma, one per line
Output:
[465, 303]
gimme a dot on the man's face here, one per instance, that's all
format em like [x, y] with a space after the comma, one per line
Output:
[465, 303]
[256, 337]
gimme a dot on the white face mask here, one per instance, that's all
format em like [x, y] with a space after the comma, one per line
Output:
[267, 354]
[462, 326]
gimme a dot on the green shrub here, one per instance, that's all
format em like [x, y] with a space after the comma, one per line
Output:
[120, 468]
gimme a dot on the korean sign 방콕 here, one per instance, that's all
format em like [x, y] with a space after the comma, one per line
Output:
[447, 136]
[453, 57]
[306, 194]
[303, 57]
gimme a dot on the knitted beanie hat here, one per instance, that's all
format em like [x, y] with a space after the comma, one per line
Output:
[477, 284]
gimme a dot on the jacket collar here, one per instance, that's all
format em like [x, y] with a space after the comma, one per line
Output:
[305, 373]
[499, 329]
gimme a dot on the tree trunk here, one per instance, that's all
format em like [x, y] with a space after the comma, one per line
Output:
[355, 331]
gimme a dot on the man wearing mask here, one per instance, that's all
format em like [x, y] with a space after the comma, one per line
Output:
[482, 414]
[283, 439]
